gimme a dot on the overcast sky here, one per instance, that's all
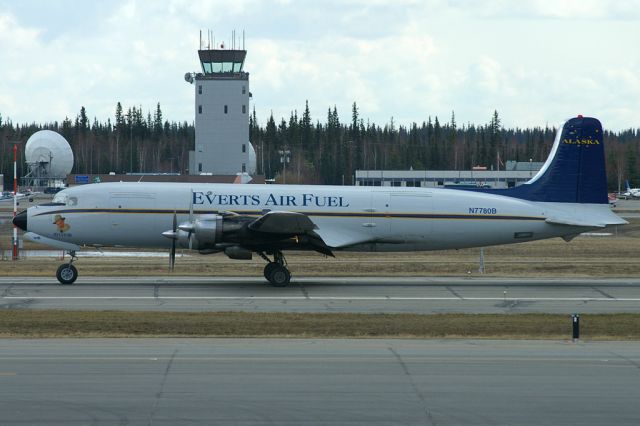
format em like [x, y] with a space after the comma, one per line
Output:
[536, 62]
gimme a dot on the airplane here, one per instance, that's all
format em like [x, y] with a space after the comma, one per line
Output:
[566, 197]
[630, 192]
[8, 196]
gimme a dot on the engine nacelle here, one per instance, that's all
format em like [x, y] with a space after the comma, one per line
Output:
[238, 253]
[204, 232]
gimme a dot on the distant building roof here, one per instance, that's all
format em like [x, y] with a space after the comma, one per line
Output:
[76, 179]
[523, 166]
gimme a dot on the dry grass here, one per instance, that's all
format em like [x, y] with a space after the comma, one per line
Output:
[53, 323]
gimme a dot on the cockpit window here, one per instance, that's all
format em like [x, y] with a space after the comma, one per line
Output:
[61, 198]
[65, 199]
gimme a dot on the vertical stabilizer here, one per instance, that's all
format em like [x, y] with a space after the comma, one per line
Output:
[575, 170]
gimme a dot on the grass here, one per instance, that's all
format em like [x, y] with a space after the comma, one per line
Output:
[54, 323]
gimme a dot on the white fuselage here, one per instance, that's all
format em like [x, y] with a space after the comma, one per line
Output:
[352, 218]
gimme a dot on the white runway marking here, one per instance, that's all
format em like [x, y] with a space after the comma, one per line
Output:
[381, 298]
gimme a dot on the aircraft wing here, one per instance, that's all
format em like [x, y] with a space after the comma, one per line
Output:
[283, 222]
[342, 238]
[286, 222]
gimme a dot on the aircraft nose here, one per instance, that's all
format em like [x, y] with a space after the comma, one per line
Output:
[21, 220]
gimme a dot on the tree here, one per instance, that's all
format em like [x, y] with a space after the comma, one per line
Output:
[157, 122]
[270, 143]
[632, 165]
[494, 139]
[451, 143]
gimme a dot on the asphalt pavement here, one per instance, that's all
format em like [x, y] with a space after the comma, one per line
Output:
[364, 295]
[317, 382]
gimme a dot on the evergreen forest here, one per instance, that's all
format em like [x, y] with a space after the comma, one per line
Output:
[323, 150]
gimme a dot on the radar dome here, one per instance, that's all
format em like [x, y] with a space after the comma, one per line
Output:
[49, 152]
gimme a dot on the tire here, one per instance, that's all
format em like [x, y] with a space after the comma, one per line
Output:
[280, 276]
[67, 274]
[268, 268]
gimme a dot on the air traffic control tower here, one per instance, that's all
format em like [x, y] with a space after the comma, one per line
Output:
[222, 96]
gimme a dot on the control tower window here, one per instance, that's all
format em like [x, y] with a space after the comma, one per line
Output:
[244, 90]
[220, 61]
[244, 109]
[244, 147]
[226, 109]
[200, 89]
[199, 167]
[199, 109]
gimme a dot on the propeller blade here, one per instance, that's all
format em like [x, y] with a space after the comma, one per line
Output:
[191, 220]
[172, 253]
[191, 207]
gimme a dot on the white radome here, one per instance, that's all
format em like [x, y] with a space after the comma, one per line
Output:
[46, 146]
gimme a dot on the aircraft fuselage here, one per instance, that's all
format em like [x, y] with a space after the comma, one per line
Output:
[354, 218]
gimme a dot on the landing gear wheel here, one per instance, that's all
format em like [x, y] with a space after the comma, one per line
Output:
[280, 276]
[67, 274]
[269, 268]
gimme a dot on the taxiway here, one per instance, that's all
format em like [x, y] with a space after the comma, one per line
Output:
[364, 295]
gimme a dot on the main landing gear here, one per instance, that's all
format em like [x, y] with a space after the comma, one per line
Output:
[276, 272]
[67, 273]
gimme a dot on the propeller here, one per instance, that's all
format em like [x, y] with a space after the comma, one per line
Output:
[173, 233]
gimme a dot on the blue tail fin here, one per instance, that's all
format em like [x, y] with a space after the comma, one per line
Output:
[575, 170]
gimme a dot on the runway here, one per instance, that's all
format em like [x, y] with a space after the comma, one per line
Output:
[425, 295]
[320, 382]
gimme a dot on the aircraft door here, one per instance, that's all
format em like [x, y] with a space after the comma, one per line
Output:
[412, 210]
[380, 220]
[133, 219]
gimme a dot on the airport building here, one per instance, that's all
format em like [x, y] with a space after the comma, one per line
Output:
[222, 95]
[515, 173]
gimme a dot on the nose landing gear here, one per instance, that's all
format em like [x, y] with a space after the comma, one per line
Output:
[67, 273]
[276, 272]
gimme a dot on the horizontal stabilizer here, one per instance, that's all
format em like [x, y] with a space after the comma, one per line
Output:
[36, 238]
[592, 216]
[574, 222]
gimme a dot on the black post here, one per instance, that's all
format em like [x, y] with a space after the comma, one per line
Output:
[576, 326]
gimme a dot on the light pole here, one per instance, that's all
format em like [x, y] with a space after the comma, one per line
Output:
[14, 255]
[284, 159]
[530, 167]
